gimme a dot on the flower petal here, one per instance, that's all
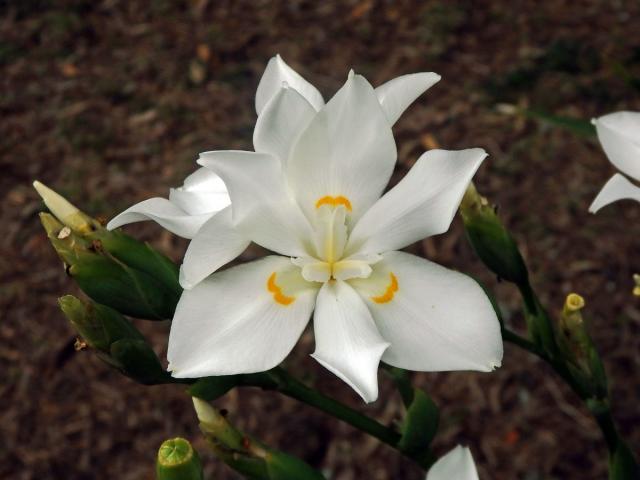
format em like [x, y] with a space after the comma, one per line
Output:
[263, 211]
[232, 322]
[278, 72]
[422, 204]
[162, 211]
[619, 134]
[280, 123]
[458, 464]
[202, 192]
[347, 340]
[617, 188]
[434, 318]
[216, 244]
[397, 94]
[347, 152]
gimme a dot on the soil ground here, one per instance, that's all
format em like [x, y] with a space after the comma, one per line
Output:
[110, 101]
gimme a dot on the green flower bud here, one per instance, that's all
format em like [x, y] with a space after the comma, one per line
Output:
[578, 349]
[99, 325]
[245, 454]
[116, 339]
[111, 267]
[110, 281]
[491, 241]
[177, 460]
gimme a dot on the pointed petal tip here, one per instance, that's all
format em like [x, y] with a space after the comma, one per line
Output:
[369, 395]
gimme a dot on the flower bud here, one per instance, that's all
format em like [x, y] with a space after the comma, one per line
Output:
[491, 241]
[177, 460]
[245, 454]
[577, 347]
[67, 213]
[145, 292]
[636, 288]
[116, 339]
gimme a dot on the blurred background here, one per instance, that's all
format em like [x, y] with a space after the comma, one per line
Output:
[110, 101]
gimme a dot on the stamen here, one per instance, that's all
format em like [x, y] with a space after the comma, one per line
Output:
[278, 296]
[334, 201]
[388, 295]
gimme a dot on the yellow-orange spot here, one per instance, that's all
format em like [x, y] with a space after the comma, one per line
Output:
[388, 295]
[278, 296]
[334, 201]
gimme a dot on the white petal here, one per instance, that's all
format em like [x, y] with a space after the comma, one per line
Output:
[617, 188]
[397, 94]
[202, 192]
[619, 134]
[231, 323]
[458, 464]
[162, 211]
[277, 73]
[216, 244]
[263, 211]
[347, 341]
[435, 319]
[422, 204]
[347, 150]
[281, 121]
[199, 203]
[204, 180]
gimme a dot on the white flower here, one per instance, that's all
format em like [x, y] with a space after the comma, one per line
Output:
[202, 196]
[456, 465]
[311, 192]
[619, 135]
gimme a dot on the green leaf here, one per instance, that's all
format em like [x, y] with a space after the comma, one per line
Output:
[420, 424]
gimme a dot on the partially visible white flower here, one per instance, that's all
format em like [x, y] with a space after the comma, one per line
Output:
[202, 196]
[312, 193]
[456, 465]
[619, 135]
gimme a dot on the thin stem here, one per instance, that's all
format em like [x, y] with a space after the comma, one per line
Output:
[290, 386]
[281, 381]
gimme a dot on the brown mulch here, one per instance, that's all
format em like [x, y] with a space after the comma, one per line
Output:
[110, 101]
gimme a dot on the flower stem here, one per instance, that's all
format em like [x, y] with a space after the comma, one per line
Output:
[281, 381]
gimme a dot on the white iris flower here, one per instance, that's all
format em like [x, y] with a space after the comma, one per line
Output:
[458, 464]
[619, 135]
[312, 193]
[202, 195]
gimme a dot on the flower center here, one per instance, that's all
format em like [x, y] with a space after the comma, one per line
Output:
[331, 236]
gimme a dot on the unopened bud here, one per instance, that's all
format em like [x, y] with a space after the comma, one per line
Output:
[491, 241]
[177, 460]
[636, 288]
[64, 210]
[118, 341]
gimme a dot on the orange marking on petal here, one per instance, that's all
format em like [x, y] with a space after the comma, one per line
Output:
[334, 201]
[388, 295]
[278, 296]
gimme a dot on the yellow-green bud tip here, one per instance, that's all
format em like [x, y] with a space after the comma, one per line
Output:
[64, 210]
[175, 452]
[573, 303]
[205, 412]
[636, 289]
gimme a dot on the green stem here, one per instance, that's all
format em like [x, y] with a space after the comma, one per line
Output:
[281, 381]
